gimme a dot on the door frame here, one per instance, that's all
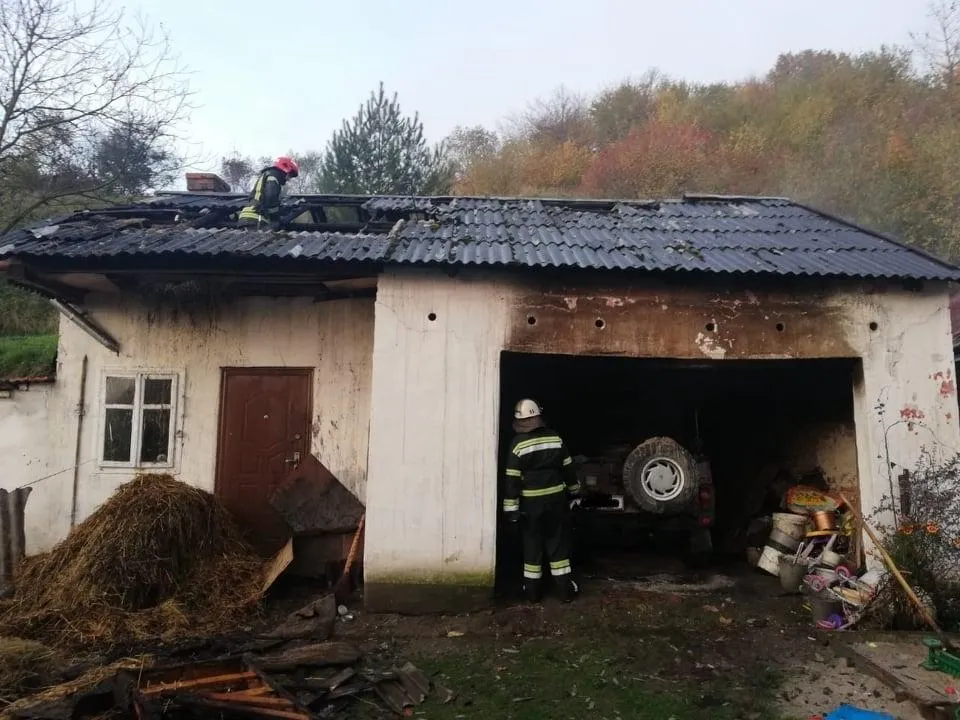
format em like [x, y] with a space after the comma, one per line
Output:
[226, 372]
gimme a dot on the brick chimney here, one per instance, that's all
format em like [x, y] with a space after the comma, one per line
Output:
[206, 182]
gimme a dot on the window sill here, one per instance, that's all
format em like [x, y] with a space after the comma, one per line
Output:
[121, 469]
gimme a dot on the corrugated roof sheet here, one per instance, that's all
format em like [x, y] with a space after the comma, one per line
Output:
[185, 241]
[715, 235]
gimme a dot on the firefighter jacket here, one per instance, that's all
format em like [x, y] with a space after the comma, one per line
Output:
[265, 199]
[539, 466]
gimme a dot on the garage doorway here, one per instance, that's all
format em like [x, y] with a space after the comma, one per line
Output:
[754, 427]
[264, 432]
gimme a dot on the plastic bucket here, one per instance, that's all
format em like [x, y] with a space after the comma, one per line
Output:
[789, 524]
[770, 560]
[784, 539]
[791, 574]
[783, 542]
[824, 607]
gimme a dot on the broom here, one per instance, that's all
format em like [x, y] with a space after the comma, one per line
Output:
[341, 591]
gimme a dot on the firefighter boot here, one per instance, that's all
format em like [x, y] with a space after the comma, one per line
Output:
[567, 588]
[531, 590]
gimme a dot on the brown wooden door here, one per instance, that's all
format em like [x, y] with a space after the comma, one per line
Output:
[264, 428]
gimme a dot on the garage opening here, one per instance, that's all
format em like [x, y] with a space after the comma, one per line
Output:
[678, 457]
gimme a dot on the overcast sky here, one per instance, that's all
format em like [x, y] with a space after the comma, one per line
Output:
[273, 76]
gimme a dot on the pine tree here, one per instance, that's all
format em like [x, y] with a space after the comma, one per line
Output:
[382, 152]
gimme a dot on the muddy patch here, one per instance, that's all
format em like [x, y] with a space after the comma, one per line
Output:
[683, 584]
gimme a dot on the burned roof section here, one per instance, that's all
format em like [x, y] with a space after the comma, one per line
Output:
[702, 234]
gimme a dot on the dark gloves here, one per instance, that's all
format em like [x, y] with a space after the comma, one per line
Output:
[513, 517]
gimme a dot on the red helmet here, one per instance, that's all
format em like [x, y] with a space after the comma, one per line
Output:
[287, 165]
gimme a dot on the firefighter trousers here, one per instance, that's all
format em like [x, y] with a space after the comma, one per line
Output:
[546, 531]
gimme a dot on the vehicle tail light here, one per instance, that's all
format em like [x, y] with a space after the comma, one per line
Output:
[706, 505]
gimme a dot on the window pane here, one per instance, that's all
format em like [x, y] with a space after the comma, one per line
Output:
[156, 392]
[155, 441]
[117, 434]
[120, 390]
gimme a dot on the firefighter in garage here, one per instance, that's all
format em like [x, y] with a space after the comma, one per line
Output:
[264, 208]
[540, 480]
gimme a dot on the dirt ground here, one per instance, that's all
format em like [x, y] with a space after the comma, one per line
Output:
[659, 644]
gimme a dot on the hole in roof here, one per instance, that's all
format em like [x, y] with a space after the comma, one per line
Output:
[780, 327]
[432, 316]
[600, 324]
[531, 320]
[710, 327]
[873, 326]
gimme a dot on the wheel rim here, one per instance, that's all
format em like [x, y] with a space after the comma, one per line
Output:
[662, 479]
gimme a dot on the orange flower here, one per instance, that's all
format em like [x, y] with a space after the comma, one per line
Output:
[932, 528]
[906, 529]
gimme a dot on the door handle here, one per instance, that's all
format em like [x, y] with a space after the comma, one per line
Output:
[295, 460]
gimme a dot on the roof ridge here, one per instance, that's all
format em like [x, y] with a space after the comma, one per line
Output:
[722, 233]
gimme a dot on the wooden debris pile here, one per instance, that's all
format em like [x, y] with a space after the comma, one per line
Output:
[323, 517]
[293, 673]
[320, 680]
[226, 688]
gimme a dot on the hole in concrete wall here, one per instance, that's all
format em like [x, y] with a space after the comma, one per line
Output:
[873, 326]
[432, 316]
[710, 327]
[780, 327]
[531, 320]
[600, 324]
[720, 411]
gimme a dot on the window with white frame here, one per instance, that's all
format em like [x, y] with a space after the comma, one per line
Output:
[139, 416]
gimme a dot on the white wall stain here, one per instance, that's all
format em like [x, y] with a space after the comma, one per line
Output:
[709, 346]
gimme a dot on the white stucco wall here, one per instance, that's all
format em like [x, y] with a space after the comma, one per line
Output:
[432, 511]
[23, 430]
[427, 393]
[905, 404]
[432, 481]
[335, 338]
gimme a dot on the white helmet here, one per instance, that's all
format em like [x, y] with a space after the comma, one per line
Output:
[526, 408]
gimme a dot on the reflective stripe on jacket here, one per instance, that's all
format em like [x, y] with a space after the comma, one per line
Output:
[265, 198]
[539, 466]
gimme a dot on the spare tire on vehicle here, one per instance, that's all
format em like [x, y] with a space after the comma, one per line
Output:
[661, 476]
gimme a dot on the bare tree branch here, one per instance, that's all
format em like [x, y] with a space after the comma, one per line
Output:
[75, 81]
[940, 46]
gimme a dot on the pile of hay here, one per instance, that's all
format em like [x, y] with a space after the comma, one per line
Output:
[25, 666]
[159, 559]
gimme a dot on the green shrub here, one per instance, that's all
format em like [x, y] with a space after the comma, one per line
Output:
[25, 313]
[28, 356]
[925, 545]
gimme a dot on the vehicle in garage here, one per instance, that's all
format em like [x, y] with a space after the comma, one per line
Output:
[657, 487]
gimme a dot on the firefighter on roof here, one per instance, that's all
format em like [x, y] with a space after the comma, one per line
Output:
[264, 207]
[540, 480]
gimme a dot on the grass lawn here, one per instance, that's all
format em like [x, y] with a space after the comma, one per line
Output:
[579, 678]
[611, 654]
[27, 355]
